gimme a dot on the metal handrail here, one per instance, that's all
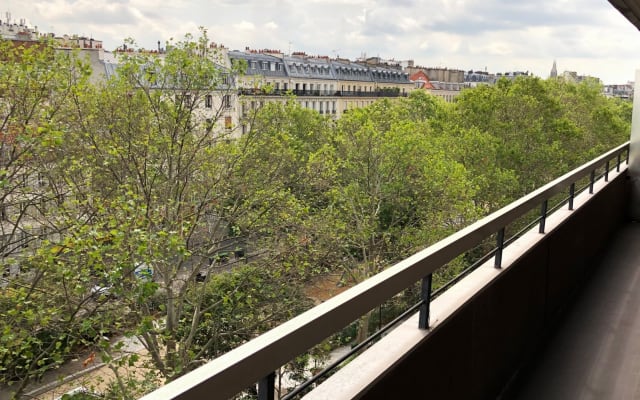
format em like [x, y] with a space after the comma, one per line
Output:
[238, 369]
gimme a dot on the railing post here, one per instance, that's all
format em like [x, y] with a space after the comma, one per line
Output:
[618, 165]
[628, 150]
[499, 247]
[572, 195]
[592, 180]
[267, 387]
[543, 215]
[606, 172]
[423, 322]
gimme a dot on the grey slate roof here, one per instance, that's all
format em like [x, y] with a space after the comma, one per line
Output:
[260, 64]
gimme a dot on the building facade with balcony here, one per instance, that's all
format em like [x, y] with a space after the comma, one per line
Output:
[328, 86]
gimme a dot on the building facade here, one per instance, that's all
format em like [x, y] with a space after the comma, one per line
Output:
[328, 86]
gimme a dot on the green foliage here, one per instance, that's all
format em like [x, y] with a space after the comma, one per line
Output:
[541, 128]
[239, 305]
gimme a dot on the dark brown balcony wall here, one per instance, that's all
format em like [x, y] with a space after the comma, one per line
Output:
[476, 351]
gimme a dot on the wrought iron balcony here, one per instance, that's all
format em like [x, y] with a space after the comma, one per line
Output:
[321, 93]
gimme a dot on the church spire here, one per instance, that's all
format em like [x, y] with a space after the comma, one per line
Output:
[554, 71]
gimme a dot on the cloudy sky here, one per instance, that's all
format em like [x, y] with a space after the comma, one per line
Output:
[587, 36]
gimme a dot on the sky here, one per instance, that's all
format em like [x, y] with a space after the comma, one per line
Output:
[587, 36]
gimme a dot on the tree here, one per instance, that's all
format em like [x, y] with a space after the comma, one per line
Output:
[40, 323]
[396, 190]
[542, 129]
[154, 184]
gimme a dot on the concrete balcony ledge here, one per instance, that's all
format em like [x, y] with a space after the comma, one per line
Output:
[484, 328]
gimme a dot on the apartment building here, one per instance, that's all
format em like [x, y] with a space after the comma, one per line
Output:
[329, 86]
[621, 91]
[447, 91]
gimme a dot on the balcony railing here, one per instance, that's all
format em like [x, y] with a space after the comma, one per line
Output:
[256, 360]
[320, 93]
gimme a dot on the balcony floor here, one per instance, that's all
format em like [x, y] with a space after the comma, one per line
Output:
[595, 353]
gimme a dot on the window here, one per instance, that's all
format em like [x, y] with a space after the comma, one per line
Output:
[226, 101]
[208, 101]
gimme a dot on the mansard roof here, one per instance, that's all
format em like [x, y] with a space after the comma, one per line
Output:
[348, 71]
[299, 65]
[308, 67]
[260, 63]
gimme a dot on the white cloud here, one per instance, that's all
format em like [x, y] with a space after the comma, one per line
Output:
[244, 26]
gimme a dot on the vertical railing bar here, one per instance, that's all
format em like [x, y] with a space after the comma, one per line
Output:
[627, 160]
[572, 195]
[499, 247]
[592, 180]
[619, 161]
[423, 321]
[543, 215]
[267, 387]
[606, 171]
